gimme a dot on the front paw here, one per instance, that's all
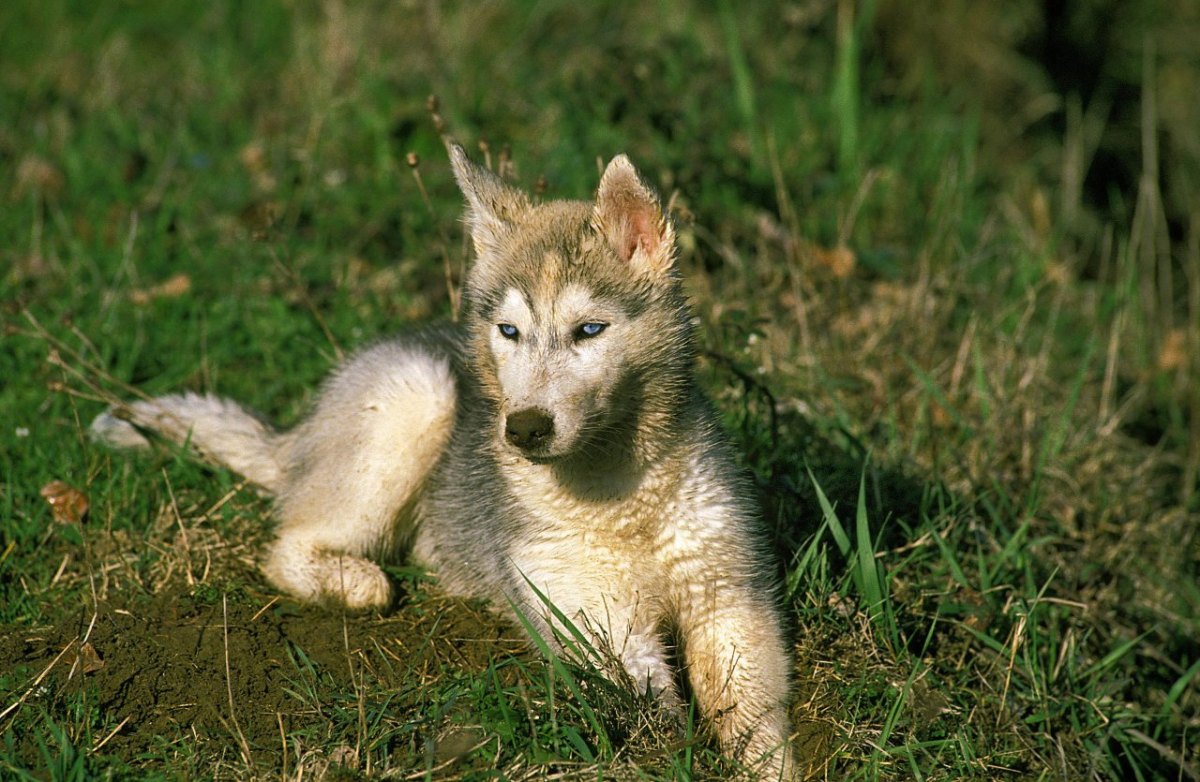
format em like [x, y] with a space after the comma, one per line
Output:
[319, 576]
[357, 584]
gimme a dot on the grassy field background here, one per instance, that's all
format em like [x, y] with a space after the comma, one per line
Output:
[947, 269]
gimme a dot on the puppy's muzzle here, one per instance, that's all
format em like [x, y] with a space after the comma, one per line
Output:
[531, 429]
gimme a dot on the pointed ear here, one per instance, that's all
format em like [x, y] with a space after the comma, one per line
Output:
[492, 206]
[629, 215]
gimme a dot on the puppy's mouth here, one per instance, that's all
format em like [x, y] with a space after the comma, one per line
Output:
[533, 458]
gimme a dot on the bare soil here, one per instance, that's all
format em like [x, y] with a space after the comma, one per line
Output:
[235, 669]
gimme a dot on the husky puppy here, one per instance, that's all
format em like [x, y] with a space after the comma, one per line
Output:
[552, 453]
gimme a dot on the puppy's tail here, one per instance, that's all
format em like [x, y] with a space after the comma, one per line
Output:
[218, 430]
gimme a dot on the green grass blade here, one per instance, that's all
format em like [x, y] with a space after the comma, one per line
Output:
[830, 516]
[1180, 686]
[1110, 659]
[868, 568]
[743, 82]
[805, 560]
[948, 556]
[563, 673]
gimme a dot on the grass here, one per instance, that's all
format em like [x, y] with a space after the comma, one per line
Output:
[948, 302]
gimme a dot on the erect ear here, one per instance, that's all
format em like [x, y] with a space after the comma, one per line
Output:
[629, 215]
[492, 206]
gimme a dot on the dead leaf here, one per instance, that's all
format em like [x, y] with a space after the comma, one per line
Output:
[68, 504]
[1173, 353]
[841, 605]
[253, 157]
[1039, 214]
[344, 755]
[36, 174]
[89, 658]
[172, 288]
[839, 260]
[254, 160]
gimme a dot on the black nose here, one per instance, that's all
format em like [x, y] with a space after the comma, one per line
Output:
[529, 429]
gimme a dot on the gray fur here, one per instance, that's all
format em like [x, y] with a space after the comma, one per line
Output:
[625, 509]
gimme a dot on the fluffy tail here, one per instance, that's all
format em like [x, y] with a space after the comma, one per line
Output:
[220, 431]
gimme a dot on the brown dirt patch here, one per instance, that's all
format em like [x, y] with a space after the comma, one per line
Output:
[207, 666]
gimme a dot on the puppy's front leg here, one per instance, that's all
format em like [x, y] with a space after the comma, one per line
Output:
[625, 633]
[738, 668]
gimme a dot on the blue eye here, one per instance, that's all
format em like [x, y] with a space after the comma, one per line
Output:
[508, 331]
[589, 330]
